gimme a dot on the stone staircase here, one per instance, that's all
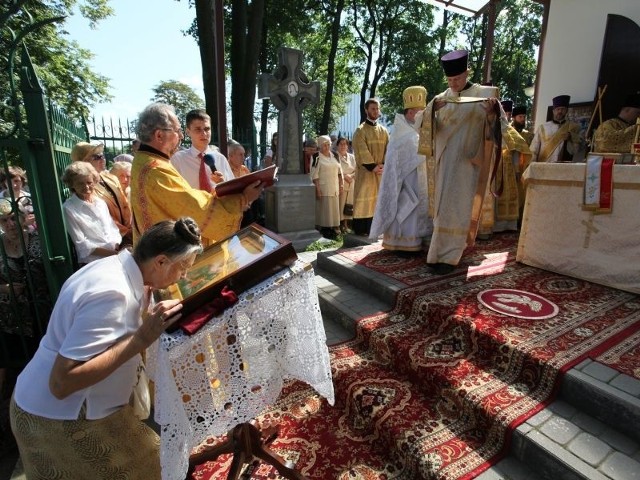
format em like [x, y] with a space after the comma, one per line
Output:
[591, 431]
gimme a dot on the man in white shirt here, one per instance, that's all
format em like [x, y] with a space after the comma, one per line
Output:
[192, 164]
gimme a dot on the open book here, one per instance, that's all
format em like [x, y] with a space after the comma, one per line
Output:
[267, 176]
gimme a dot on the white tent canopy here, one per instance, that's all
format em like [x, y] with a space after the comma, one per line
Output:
[465, 7]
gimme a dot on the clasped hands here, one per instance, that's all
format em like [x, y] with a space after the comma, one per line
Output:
[156, 319]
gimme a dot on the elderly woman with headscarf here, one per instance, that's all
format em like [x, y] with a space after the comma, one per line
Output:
[326, 174]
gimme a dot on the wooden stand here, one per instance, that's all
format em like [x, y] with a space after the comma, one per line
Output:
[245, 442]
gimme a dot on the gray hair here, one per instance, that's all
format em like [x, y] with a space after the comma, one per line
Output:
[76, 170]
[323, 139]
[234, 145]
[154, 117]
[120, 166]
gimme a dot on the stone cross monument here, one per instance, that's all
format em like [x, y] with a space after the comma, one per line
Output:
[290, 91]
[290, 203]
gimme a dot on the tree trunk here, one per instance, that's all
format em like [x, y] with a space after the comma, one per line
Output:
[246, 36]
[205, 22]
[335, 37]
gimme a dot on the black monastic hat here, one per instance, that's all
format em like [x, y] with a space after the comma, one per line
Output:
[561, 101]
[519, 110]
[507, 105]
[454, 63]
[632, 100]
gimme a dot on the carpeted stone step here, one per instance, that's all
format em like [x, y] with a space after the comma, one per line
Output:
[377, 402]
[551, 459]
[394, 437]
[563, 441]
[606, 395]
[364, 279]
[343, 303]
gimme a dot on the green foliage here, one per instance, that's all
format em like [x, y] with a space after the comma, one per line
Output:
[513, 69]
[316, 44]
[180, 95]
[517, 38]
[62, 65]
[325, 244]
[414, 59]
[385, 46]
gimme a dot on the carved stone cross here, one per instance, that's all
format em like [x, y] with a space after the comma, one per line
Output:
[290, 91]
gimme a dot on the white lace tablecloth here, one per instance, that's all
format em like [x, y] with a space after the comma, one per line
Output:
[235, 366]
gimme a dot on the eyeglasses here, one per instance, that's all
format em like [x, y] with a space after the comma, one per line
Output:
[174, 130]
[97, 156]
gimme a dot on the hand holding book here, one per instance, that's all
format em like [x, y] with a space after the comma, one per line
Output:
[266, 176]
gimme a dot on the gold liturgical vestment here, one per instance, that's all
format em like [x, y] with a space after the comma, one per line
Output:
[549, 140]
[614, 136]
[369, 147]
[501, 213]
[110, 191]
[159, 192]
[459, 159]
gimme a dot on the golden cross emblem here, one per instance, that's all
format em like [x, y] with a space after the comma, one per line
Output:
[591, 228]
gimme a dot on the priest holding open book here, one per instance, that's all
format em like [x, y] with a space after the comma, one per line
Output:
[159, 192]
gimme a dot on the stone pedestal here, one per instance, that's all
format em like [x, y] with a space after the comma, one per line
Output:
[290, 207]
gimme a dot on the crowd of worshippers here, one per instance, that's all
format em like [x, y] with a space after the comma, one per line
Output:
[135, 229]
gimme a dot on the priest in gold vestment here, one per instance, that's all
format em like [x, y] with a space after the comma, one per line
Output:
[457, 136]
[369, 147]
[519, 122]
[159, 192]
[557, 140]
[504, 198]
[617, 134]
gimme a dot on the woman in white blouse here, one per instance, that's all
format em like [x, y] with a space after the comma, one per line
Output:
[91, 228]
[70, 410]
[326, 175]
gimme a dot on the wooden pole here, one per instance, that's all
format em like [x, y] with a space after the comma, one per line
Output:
[596, 109]
[486, 70]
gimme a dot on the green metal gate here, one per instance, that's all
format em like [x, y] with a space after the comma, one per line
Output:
[37, 136]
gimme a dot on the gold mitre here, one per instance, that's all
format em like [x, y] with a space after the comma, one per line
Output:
[414, 97]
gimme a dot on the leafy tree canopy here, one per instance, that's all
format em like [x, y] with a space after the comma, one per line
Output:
[180, 95]
[62, 65]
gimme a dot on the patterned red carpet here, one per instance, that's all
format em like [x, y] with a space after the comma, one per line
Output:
[432, 389]
[624, 357]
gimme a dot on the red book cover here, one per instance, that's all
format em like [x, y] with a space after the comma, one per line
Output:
[267, 176]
